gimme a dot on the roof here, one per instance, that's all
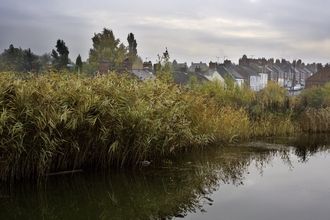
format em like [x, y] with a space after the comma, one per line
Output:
[180, 77]
[203, 66]
[323, 75]
[245, 71]
[225, 71]
[143, 74]
[212, 74]
[200, 77]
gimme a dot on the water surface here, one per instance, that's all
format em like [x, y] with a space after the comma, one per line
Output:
[284, 178]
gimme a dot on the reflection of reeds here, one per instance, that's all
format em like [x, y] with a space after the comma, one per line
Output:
[151, 193]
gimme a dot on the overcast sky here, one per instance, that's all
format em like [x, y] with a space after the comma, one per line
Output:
[193, 31]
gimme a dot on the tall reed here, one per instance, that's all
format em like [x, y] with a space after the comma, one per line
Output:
[58, 122]
[315, 120]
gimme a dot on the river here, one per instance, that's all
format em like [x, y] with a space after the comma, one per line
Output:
[278, 178]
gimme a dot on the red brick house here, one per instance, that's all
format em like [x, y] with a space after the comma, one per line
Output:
[319, 78]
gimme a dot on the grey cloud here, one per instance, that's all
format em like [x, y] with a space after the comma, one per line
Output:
[273, 26]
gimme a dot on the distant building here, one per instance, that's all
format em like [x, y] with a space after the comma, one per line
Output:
[200, 66]
[321, 77]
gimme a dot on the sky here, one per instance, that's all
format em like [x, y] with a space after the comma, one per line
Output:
[191, 30]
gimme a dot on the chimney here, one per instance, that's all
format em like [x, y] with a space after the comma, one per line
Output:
[198, 69]
[104, 66]
[212, 65]
[227, 63]
[270, 62]
[183, 69]
[319, 66]
[147, 65]
[127, 65]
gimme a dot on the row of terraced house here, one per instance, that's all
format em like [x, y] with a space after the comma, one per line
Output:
[254, 73]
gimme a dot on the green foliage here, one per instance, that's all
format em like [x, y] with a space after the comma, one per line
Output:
[164, 68]
[79, 62]
[61, 55]
[315, 97]
[315, 120]
[107, 47]
[16, 59]
[313, 107]
[12, 59]
[29, 62]
[193, 83]
[227, 93]
[132, 45]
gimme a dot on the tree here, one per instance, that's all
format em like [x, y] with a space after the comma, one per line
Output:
[61, 55]
[12, 58]
[106, 47]
[175, 65]
[29, 61]
[138, 63]
[132, 45]
[79, 62]
[164, 68]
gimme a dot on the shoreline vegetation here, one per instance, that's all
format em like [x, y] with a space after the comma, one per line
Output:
[58, 122]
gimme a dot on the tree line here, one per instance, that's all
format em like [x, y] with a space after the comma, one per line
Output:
[105, 47]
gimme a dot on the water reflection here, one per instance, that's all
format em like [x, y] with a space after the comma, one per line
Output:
[169, 189]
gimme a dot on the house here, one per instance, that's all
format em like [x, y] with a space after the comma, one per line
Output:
[183, 76]
[126, 67]
[251, 78]
[284, 69]
[226, 70]
[202, 66]
[145, 73]
[274, 74]
[212, 73]
[261, 70]
[319, 78]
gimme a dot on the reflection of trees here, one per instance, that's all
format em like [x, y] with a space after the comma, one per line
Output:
[306, 145]
[164, 191]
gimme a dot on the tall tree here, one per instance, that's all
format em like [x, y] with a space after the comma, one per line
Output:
[61, 55]
[106, 47]
[132, 45]
[29, 61]
[79, 62]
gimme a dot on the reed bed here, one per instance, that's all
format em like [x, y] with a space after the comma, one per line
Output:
[58, 122]
[314, 120]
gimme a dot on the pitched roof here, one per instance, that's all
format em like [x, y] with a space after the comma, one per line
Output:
[245, 71]
[143, 74]
[212, 74]
[199, 76]
[225, 71]
[180, 77]
[323, 75]
[201, 65]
